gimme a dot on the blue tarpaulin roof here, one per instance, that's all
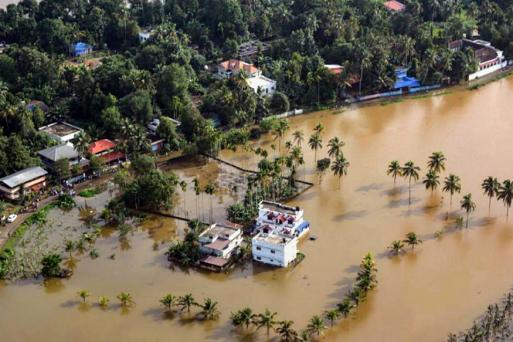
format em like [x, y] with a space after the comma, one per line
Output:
[81, 48]
[304, 225]
[405, 81]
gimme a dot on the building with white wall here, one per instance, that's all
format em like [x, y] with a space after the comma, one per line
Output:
[278, 229]
[258, 82]
[220, 241]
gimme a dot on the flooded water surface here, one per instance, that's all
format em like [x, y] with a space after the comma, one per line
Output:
[423, 295]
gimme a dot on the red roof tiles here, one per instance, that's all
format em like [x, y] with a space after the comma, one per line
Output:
[395, 6]
[101, 146]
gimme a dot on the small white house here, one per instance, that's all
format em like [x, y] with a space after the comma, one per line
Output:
[274, 249]
[62, 132]
[220, 241]
[262, 85]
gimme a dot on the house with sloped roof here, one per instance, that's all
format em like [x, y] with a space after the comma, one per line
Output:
[49, 156]
[234, 67]
[81, 49]
[106, 149]
[395, 6]
[15, 185]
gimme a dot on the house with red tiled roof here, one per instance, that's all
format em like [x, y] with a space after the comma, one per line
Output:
[234, 67]
[106, 150]
[395, 6]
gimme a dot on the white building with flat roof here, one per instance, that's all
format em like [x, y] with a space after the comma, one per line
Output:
[279, 227]
[274, 249]
[262, 85]
[220, 241]
[62, 132]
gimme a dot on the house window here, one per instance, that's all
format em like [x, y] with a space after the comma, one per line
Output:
[258, 248]
[273, 251]
[259, 258]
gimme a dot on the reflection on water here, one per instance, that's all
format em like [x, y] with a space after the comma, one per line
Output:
[441, 286]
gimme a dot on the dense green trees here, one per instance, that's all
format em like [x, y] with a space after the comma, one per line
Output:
[151, 191]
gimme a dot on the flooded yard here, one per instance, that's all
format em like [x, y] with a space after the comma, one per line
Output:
[423, 295]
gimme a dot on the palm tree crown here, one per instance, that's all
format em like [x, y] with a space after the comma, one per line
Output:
[490, 187]
[432, 180]
[468, 205]
[335, 147]
[452, 185]
[298, 137]
[315, 143]
[410, 171]
[436, 162]
[506, 194]
[394, 169]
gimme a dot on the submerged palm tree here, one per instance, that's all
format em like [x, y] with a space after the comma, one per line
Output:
[186, 302]
[394, 169]
[243, 317]
[412, 240]
[431, 181]
[316, 325]
[490, 187]
[210, 190]
[506, 194]
[209, 309]
[298, 137]
[436, 162]
[125, 299]
[410, 171]
[319, 128]
[335, 147]
[103, 301]
[396, 247]
[468, 205]
[279, 129]
[286, 332]
[340, 167]
[332, 315]
[267, 320]
[345, 307]
[84, 294]
[452, 185]
[168, 301]
[315, 143]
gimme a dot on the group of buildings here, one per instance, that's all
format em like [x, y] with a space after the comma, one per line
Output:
[277, 231]
[256, 81]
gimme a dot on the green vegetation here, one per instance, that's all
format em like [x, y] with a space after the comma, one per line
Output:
[91, 192]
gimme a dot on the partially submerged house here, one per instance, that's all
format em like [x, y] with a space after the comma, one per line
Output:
[62, 132]
[488, 57]
[278, 229]
[218, 244]
[15, 185]
[403, 81]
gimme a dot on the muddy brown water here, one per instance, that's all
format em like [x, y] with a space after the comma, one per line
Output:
[441, 287]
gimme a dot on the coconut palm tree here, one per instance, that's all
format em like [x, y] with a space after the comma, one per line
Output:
[468, 205]
[436, 162]
[340, 167]
[319, 128]
[396, 247]
[267, 320]
[431, 181]
[286, 332]
[168, 301]
[69, 247]
[183, 187]
[197, 191]
[332, 315]
[490, 187]
[345, 307]
[186, 302]
[298, 137]
[412, 240]
[209, 310]
[210, 190]
[452, 185]
[84, 294]
[280, 127]
[244, 317]
[82, 143]
[410, 171]
[335, 147]
[125, 299]
[315, 143]
[322, 166]
[506, 194]
[394, 169]
[316, 325]
[103, 301]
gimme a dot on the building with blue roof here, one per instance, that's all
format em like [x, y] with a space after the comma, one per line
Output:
[403, 81]
[81, 49]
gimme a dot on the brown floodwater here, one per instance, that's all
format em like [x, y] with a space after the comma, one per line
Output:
[441, 287]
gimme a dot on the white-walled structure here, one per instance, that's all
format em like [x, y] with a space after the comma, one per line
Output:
[279, 227]
[262, 85]
[220, 241]
[255, 79]
[489, 58]
[274, 249]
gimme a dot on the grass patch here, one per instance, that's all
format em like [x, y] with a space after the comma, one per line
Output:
[38, 217]
[91, 192]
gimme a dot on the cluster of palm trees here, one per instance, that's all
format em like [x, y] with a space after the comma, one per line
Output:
[125, 299]
[208, 309]
[365, 281]
[411, 239]
[452, 183]
[495, 325]
[210, 189]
